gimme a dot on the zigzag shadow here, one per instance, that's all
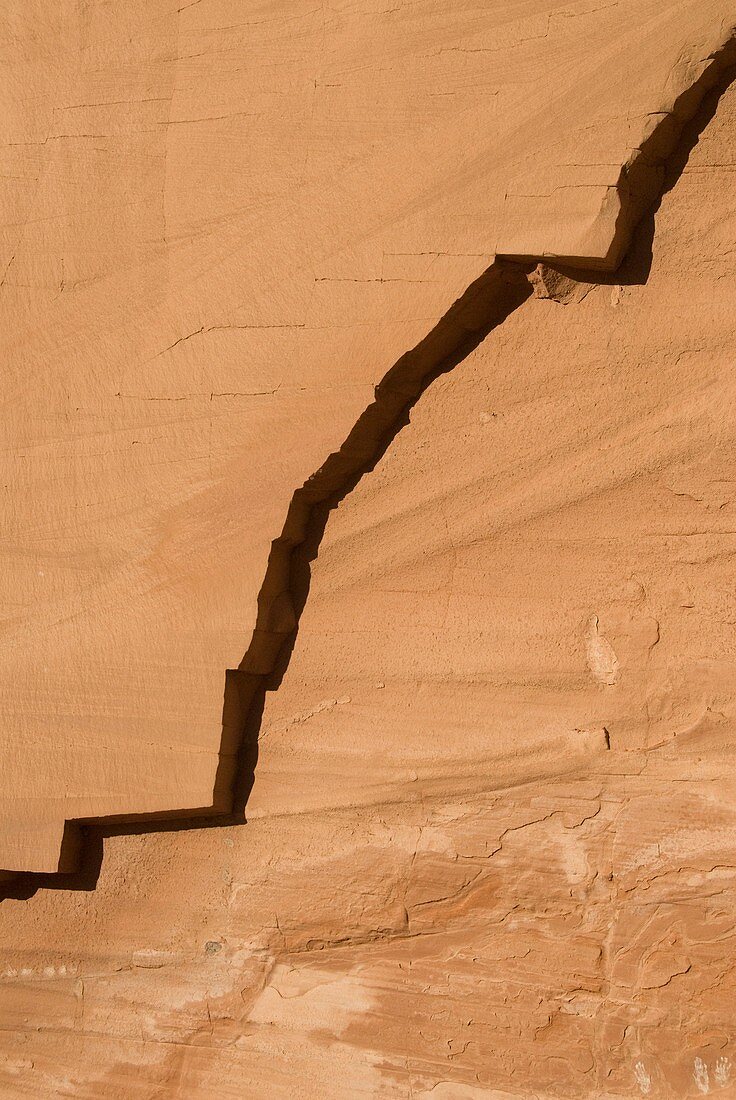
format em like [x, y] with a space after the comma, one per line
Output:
[485, 305]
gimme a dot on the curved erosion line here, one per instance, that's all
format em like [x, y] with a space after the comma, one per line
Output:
[484, 305]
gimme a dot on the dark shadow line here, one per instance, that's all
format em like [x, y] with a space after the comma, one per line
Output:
[485, 305]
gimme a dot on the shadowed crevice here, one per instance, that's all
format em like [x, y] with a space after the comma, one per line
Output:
[643, 178]
[485, 304]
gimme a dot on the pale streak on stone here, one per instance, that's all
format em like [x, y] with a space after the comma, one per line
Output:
[722, 1072]
[701, 1076]
[643, 1078]
[602, 660]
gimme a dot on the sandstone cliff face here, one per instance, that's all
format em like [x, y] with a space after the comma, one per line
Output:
[490, 838]
[227, 225]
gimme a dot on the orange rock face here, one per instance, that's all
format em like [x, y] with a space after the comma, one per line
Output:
[392, 349]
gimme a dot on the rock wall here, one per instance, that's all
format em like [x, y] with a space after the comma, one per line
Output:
[489, 848]
[226, 227]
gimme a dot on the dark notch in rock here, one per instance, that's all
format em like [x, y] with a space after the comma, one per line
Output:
[483, 306]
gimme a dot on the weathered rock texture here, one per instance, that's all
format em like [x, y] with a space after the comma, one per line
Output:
[226, 224]
[490, 841]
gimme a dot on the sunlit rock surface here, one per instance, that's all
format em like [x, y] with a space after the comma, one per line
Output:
[489, 849]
